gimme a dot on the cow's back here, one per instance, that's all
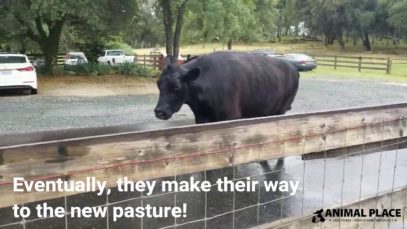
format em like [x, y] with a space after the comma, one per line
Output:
[258, 85]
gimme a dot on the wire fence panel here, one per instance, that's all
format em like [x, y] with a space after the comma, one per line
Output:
[351, 159]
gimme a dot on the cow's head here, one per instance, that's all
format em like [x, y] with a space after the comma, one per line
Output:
[173, 85]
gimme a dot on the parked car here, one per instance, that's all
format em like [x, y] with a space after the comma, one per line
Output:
[16, 72]
[301, 61]
[114, 57]
[38, 63]
[75, 58]
[266, 53]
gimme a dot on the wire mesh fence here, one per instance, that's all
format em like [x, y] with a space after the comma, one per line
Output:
[357, 176]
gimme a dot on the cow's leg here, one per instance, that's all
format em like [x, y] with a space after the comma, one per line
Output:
[266, 167]
[201, 120]
[286, 104]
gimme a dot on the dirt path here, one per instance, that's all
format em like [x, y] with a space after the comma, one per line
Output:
[95, 86]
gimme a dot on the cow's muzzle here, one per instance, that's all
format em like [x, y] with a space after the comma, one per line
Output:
[161, 114]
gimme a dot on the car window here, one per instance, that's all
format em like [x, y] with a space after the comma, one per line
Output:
[12, 59]
[75, 57]
[289, 56]
[115, 53]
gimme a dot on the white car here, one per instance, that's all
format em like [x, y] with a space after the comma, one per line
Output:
[16, 72]
[75, 58]
[114, 57]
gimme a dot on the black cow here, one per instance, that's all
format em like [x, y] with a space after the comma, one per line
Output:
[228, 85]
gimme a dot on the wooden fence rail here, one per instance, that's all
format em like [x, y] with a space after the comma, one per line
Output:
[154, 61]
[155, 154]
[360, 63]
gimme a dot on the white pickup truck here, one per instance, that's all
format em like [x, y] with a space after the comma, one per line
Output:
[115, 57]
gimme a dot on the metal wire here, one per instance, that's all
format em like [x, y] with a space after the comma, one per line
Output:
[283, 199]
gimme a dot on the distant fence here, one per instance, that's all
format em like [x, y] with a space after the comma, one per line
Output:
[152, 60]
[386, 64]
[360, 63]
[146, 60]
[60, 58]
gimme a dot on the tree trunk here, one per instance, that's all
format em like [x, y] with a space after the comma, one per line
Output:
[172, 38]
[168, 24]
[50, 44]
[178, 29]
[50, 57]
[230, 44]
[366, 42]
[341, 43]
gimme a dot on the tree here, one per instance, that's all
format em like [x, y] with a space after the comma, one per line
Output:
[228, 20]
[363, 17]
[326, 17]
[43, 21]
[173, 9]
[145, 29]
[266, 16]
[397, 14]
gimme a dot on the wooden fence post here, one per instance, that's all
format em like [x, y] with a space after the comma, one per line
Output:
[360, 63]
[389, 64]
[335, 62]
[144, 60]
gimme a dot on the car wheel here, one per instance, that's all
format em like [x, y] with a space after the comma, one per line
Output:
[34, 91]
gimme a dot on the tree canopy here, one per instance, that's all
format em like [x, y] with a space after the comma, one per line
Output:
[87, 25]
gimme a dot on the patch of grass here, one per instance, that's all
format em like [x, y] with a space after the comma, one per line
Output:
[131, 69]
[325, 72]
[380, 48]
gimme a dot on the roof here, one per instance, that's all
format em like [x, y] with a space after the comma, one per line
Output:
[75, 53]
[11, 54]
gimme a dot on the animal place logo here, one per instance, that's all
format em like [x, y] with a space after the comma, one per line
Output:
[357, 215]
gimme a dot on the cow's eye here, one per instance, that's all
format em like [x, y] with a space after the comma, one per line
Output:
[177, 88]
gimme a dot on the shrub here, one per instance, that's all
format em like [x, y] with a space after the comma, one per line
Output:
[132, 69]
[94, 69]
[90, 69]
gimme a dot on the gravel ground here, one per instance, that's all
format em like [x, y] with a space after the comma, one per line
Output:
[20, 114]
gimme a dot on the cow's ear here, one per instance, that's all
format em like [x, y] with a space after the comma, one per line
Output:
[191, 75]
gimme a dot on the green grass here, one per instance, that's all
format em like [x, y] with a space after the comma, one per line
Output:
[380, 49]
[399, 71]
[325, 72]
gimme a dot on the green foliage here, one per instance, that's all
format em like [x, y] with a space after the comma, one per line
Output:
[228, 20]
[43, 22]
[117, 44]
[90, 26]
[131, 69]
[398, 16]
[90, 69]
[95, 69]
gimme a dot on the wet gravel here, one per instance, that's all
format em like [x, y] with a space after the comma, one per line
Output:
[21, 113]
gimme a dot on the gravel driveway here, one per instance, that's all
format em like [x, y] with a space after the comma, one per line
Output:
[33, 113]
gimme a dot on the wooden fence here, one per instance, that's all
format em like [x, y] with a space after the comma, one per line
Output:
[146, 60]
[360, 63]
[152, 60]
[170, 153]
[155, 154]
[60, 58]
